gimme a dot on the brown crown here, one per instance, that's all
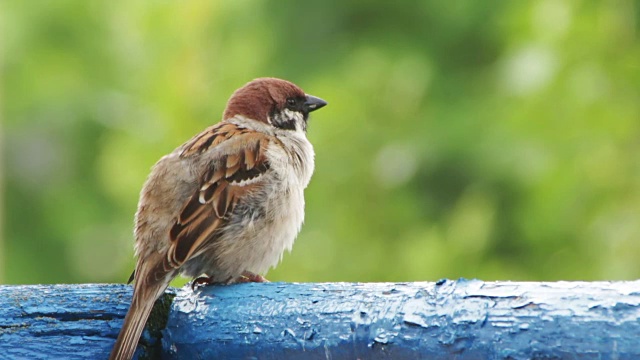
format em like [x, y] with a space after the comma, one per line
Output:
[259, 97]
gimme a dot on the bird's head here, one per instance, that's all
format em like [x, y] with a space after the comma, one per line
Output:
[273, 101]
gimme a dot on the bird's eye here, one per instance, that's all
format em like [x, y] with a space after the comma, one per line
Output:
[291, 101]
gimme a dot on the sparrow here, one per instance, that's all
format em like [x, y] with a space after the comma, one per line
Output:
[225, 205]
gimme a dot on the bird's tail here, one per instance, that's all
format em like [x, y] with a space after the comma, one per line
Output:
[143, 299]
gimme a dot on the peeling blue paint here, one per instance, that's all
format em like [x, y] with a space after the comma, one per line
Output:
[60, 321]
[464, 319]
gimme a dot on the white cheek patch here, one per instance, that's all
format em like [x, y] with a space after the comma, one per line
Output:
[294, 115]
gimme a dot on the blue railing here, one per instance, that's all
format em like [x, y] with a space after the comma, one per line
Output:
[464, 319]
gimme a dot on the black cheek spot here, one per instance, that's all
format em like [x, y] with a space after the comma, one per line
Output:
[286, 125]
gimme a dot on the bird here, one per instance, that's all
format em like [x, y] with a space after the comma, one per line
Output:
[224, 206]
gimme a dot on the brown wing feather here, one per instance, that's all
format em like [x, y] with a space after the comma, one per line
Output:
[211, 137]
[222, 184]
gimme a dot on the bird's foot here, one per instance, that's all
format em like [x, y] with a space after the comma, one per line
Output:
[248, 276]
[202, 281]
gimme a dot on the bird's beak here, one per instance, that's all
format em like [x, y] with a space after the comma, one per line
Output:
[313, 103]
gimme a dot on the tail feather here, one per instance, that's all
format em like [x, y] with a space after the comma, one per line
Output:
[135, 320]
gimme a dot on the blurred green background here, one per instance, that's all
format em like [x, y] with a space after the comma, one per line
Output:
[478, 139]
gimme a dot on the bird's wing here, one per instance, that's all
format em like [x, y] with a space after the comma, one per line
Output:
[237, 169]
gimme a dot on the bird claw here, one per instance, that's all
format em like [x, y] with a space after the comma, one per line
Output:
[248, 276]
[202, 281]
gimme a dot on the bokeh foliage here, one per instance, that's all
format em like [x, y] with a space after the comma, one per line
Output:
[480, 139]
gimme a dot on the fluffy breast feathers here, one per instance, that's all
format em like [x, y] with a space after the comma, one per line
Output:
[236, 160]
